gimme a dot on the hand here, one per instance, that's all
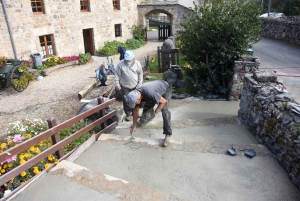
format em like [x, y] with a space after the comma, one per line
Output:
[132, 130]
[118, 87]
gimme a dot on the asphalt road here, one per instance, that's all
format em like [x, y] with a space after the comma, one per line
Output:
[276, 55]
[284, 58]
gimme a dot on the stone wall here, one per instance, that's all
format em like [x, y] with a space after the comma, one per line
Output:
[285, 29]
[65, 21]
[245, 65]
[174, 11]
[270, 113]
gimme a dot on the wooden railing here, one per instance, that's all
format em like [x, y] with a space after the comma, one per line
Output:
[58, 144]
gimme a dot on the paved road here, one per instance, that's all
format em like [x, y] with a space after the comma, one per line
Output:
[283, 57]
[276, 55]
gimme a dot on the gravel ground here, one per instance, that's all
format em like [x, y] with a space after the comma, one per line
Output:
[57, 94]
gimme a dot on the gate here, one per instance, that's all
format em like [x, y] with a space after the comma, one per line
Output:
[164, 31]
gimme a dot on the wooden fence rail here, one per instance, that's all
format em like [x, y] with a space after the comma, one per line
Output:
[58, 144]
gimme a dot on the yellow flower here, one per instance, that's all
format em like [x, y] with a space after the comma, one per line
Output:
[22, 183]
[56, 162]
[3, 145]
[26, 155]
[4, 166]
[5, 185]
[36, 171]
[37, 150]
[1, 150]
[0, 167]
[47, 165]
[23, 174]
[27, 136]
[50, 158]
[22, 161]
[9, 164]
[3, 170]
[12, 180]
[21, 157]
[32, 148]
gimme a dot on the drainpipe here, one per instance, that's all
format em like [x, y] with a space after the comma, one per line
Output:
[9, 29]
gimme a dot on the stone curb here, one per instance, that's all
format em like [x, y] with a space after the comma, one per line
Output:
[53, 68]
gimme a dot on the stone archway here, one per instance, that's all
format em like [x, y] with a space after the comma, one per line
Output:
[174, 11]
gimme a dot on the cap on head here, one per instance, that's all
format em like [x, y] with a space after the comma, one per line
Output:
[131, 98]
[128, 55]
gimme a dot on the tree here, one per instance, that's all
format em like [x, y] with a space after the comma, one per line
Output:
[214, 36]
[292, 7]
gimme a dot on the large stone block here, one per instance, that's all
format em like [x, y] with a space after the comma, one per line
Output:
[264, 76]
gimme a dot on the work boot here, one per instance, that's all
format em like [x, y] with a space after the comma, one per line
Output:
[166, 141]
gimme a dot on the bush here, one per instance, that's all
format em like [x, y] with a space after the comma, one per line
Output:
[54, 60]
[139, 40]
[139, 32]
[214, 36]
[84, 58]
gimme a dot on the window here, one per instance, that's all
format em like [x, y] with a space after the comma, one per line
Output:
[37, 6]
[84, 5]
[47, 44]
[116, 4]
[118, 30]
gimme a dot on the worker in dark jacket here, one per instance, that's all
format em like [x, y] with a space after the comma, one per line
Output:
[151, 93]
[122, 51]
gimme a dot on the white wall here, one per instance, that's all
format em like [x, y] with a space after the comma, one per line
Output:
[188, 3]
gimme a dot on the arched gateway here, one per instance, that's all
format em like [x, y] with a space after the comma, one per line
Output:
[174, 11]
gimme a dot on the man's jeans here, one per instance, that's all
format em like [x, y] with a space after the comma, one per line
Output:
[166, 114]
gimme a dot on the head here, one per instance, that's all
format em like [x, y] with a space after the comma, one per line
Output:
[129, 56]
[134, 97]
[102, 66]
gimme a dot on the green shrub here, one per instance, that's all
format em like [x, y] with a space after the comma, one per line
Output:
[84, 58]
[139, 32]
[54, 60]
[213, 37]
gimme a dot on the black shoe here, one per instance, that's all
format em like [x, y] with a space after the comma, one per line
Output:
[104, 84]
[99, 85]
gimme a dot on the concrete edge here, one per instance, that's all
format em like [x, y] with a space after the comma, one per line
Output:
[115, 187]
[81, 149]
[149, 141]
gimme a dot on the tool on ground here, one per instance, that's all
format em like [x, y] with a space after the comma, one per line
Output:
[130, 139]
[231, 151]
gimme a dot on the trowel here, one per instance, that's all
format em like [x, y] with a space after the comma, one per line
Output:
[129, 140]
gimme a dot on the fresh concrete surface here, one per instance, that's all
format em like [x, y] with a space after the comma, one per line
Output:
[195, 166]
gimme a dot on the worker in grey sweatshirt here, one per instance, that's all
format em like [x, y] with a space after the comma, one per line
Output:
[128, 75]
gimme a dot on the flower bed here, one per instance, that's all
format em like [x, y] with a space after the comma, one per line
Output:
[21, 131]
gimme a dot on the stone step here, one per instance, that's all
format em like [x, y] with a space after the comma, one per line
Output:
[190, 170]
[69, 181]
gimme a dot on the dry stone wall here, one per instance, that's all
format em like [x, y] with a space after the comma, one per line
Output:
[66, 22]
[272, 115]
[245, 65]
[285, 29]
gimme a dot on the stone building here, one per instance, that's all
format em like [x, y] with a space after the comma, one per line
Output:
[63, 27]
[72, 27]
